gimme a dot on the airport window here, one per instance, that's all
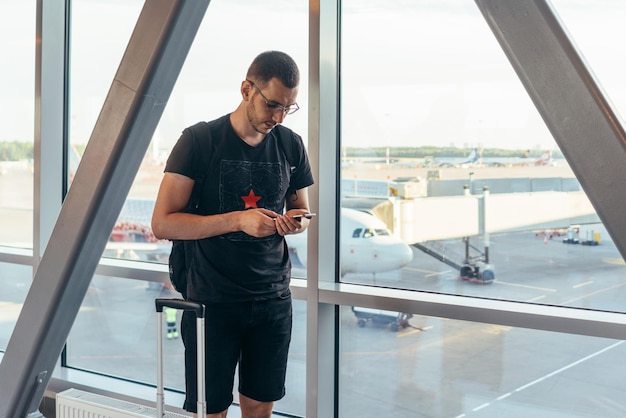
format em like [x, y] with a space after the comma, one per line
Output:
[17, 106]
[115, 334]
[204, 91]
[596, 31]
[462, 169]
[91, 76]
[397, 364]
[207, 88]
[15, 281]
[446, 167]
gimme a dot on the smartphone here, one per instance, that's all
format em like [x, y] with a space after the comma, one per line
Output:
[306, 215]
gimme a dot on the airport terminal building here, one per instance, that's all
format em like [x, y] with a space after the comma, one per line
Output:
[467, 257]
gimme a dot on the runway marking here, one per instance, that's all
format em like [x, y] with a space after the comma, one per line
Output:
[526, 286]
[429, 273]
[586, 295]
[478, 408]
[569, 366]
[439, 273]
[618, 261]
[549, 375]
[583, 284]
[496, 329]
[537, 298]
[420, 270]
[413, 331]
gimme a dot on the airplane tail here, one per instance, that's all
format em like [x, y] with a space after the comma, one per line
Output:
[473, 157]
[546, 158]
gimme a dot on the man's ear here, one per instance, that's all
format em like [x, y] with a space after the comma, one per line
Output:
[246, 90]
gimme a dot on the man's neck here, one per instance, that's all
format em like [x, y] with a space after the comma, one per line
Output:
[242, 128]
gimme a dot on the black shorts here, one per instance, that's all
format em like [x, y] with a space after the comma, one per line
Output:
[255, 335]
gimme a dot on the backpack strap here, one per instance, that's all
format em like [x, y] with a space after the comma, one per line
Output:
[285, 143]
[201, 137]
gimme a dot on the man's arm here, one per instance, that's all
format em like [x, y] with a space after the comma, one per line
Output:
[170, 222]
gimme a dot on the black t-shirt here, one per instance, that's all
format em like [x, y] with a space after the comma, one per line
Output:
[236, 266]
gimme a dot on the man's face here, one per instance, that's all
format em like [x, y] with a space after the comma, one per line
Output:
[269, 105]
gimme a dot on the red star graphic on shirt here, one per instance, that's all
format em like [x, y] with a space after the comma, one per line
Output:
[250, 200]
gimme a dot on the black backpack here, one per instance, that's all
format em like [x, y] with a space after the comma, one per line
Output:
[181, 255]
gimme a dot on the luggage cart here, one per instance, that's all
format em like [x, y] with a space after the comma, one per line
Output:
[395, 320]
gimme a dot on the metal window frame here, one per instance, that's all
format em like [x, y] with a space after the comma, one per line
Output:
[529, 31]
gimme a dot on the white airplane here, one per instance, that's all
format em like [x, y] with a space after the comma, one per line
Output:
[367, 246]
[544, 159]
[474, 158]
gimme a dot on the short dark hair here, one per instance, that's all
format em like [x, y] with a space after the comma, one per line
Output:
[270, 64]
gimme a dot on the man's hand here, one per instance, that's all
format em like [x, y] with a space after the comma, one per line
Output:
[258, 222]
[287, 224]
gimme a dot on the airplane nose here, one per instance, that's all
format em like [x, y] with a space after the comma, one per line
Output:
[396, 255]
[404, 254]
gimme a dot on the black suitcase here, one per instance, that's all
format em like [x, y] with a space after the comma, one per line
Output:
[185, 305]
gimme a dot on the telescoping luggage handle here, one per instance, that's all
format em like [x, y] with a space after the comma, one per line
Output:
[198, 309]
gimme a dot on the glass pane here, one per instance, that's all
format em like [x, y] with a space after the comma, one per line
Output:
[207, 88]
[442, 146]
[95, 56]
[437, 367]
[15, 282]
[115, 334]
[597, 30]
[17, 106]
[91, 77]
[115, 330]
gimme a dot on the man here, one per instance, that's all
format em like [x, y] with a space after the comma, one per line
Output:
[256, 175]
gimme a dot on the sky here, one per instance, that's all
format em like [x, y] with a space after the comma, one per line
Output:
[413, 73]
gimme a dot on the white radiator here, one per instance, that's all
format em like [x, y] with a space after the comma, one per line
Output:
[74, 403]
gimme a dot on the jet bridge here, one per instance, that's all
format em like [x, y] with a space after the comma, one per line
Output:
[424, 221]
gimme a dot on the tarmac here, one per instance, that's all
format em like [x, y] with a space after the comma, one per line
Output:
[381, 171]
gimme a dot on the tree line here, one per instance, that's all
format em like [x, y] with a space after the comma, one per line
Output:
[16, 150]
[440, 152]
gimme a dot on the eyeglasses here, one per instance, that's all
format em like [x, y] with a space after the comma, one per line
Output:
[273, 106]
